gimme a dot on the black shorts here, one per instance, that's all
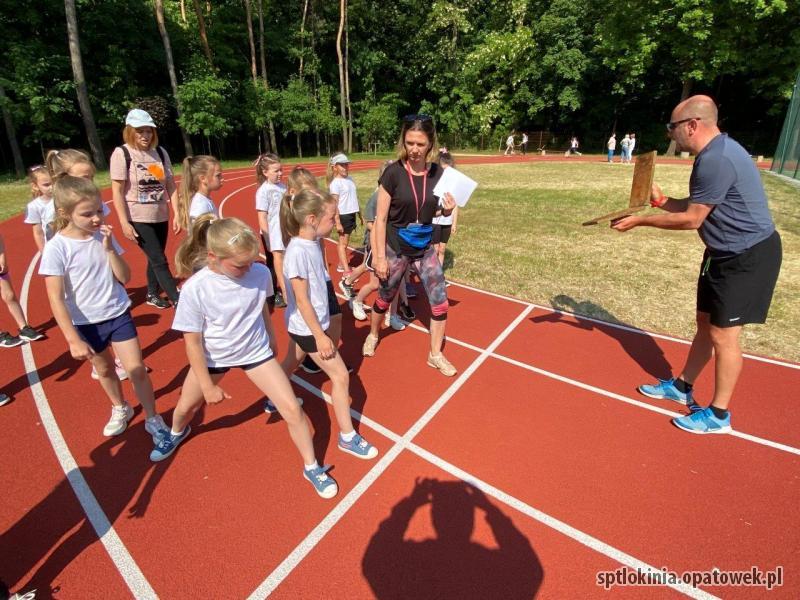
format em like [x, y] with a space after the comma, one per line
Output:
[307, 343]
[737, 290]
[348, 222]
[441, 234]
[333, 301]
[221, 370]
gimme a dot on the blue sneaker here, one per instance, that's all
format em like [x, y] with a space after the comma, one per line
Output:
[168, 444]
[324, 485]
[271, 409]
[358, 447]
[704, 421]
[665, 389]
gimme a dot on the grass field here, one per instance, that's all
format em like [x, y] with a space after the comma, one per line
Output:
[521, 235]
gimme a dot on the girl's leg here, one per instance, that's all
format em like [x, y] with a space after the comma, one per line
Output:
[336, 371]
[191, 399]
[294, 356]
[14, 307]
[130, 355]
[344, 239]
[367, 289]
[277, 258]
[103, 363]
[335, 329]
[271, 380]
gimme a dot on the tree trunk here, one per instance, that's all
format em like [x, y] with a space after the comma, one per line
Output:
[183, 11]
[19, 166]
[253, 69]
[80, 86]
[299, 146]
[273, 145]
[201, 24]
[302, 36]
[342, 90]
[347, 80]
[173, 79]
[687, 89]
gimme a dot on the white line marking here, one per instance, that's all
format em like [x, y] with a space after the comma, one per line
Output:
[312, 539]
[122, 559]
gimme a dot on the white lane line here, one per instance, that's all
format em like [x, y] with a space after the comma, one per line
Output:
[274, 579]
[119, 554]
[545, 519]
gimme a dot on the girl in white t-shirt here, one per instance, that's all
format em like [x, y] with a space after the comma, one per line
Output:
[84, 276]
[220, 335]
[202, 175]
[40, 211]
[308, 217]
[343, 191]
[26, 332]
[268, 205]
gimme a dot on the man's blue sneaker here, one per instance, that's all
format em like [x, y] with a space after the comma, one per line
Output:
[168, 444]
[704, 421]
[323, 483]
[358, 446]
[666, 389]
[271, 409]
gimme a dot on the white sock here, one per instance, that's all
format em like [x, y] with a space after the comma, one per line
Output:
[348, 437]
[177, 433]
[312, 466]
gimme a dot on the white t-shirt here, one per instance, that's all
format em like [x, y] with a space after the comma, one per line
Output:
[345, 189]
[42, 212]
[303, 259]
[268, 200]
[229, 314]
[91, 292]
[201, 205]
[632, 145]
[510, 140]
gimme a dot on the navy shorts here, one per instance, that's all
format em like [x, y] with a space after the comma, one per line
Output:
[100, 335]
[348, 222]
[333, 302]
[221, 370]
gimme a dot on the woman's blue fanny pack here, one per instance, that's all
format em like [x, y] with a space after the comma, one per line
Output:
[416, 235]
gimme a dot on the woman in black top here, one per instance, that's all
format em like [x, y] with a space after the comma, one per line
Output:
[403, 232]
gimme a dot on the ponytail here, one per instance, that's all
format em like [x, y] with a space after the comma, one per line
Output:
[59, 162]
[262, 163]
[191, 254]
[193, 168]
[295, 209]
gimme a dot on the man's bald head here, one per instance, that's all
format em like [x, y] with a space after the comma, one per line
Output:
[695, 123]
[697, 107]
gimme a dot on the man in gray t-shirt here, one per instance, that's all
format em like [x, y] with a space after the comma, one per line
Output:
[728, 207]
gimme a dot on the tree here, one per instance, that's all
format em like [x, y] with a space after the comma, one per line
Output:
[344, 99]
[297, 110]
[204, 98]
[173, 79]
[80, 86]
[201, 26]
[273, 145]
[377, 121]
[11, 134]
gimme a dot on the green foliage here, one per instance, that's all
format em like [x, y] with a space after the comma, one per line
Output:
[377, 121]
[297, 109]
[203, 98]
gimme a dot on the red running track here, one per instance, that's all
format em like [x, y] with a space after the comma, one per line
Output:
[570, 472]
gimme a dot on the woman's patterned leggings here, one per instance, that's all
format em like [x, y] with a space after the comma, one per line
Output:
[430, 272]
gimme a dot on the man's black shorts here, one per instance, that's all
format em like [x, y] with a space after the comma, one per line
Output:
[736, 290]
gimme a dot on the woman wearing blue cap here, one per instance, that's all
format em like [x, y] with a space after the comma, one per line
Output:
[142, 185]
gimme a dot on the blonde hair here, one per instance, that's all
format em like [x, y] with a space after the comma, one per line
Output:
[60, 162]
[193, 168]
[68, 192]
[301, 179]
[33, 178]
[224, 237]
[294, 210]
[129, 137]
[427, 127]
[263, 162]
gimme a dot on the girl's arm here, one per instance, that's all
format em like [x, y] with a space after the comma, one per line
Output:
[263, 221]
[2, 256]
[339, 228]
[38, 236]
[379, 248]
[273, 343]
[118, 197]
[197, 361]
[79, 349]
[324, 344]
[455, 220]
[121, 270]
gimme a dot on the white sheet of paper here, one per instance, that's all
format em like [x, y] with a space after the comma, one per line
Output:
[456, 183]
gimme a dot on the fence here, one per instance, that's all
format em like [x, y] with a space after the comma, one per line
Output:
[787, 154]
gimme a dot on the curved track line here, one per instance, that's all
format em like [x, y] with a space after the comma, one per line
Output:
[119, 554]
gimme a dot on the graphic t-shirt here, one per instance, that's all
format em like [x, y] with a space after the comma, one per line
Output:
[145, 183]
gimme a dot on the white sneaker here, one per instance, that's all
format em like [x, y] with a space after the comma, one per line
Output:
[370, 343]
[397, 323]
[156, 427]
[120, 415]
[387, 319]
[358, 311]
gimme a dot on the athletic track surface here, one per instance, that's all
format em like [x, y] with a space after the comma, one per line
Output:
[538, 466]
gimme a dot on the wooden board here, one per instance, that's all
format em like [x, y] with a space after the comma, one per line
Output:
[643, 173]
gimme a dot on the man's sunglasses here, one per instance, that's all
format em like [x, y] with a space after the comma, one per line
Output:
[674, 124]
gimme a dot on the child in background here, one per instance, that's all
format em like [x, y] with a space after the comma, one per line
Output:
[40, 211]
[268, 205]
[26, 332]
[344, 192]
[221, 335]
[84, 275]
[202, 175]
[308, 217]
[443, 226]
